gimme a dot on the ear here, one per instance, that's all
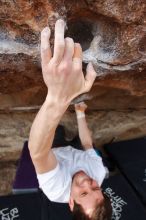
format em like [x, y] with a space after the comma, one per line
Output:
[71, 203]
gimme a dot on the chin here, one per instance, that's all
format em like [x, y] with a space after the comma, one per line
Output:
[78, 174]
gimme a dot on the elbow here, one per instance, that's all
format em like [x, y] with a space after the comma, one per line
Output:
[34, 154]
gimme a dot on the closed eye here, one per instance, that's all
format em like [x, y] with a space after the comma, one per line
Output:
[84, 194]
[95, 189]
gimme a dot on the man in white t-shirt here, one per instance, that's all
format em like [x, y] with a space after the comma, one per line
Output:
[65, 174]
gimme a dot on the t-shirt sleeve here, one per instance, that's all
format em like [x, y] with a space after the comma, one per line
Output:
[54, 184]
[91, 152]
[97, 169]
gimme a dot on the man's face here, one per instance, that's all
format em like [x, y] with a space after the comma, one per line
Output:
[86, 192]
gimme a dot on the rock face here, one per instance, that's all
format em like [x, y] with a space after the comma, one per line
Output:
[113, 36]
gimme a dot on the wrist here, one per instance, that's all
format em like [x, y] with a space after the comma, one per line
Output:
[80, 114]
[56, 101]
[58, 106]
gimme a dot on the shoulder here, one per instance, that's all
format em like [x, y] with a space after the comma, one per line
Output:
[96, 167]
[93, 153]
[56, 183]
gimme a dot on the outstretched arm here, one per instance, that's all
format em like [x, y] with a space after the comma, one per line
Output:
[84, 132]
[63, 76]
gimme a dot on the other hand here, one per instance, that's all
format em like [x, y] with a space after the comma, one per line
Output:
[80, 107]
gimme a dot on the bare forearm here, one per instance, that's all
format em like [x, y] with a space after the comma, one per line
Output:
[43, 128]
[84, 133]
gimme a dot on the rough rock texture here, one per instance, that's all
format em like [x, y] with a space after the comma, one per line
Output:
[113, 36]
[7, 175]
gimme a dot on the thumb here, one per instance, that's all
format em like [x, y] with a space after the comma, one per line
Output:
[90, 77]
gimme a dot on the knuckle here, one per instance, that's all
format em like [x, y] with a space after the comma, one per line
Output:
[45, 32]
[77, 68]
[63, 67]
[88, 89]
[69, 39]
[60, 44]
[44, 49]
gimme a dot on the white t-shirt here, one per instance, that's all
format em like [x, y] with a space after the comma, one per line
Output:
[56, 184]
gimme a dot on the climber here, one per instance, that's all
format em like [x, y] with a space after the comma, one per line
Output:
[65, 174]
